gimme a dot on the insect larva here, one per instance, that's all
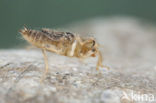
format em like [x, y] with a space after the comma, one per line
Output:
[63, 43]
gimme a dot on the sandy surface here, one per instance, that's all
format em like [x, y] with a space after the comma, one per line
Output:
[129, 49]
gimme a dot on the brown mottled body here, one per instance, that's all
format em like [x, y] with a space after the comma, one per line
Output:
[45, 40]
[63, 43]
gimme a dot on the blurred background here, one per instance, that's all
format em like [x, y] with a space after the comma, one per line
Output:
[57, 13]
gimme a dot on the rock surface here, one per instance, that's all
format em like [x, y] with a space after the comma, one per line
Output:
[129, 49]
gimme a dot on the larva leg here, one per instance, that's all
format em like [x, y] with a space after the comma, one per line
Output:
[99, 62]
[46, 64]
[73, 48]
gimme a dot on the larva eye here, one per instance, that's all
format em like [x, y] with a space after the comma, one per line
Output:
[93, 43]
[93, 50]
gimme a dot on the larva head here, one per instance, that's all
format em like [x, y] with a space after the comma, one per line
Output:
[89, 48]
